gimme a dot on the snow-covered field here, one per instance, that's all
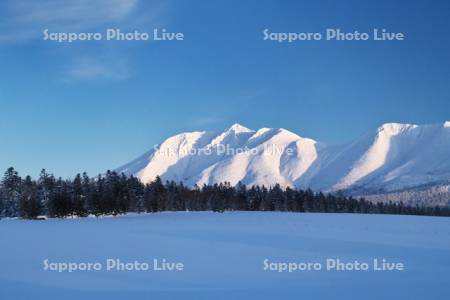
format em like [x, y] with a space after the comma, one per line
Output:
[223, 256]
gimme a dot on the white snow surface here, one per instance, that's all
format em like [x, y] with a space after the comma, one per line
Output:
[223, 256]
[394, 156]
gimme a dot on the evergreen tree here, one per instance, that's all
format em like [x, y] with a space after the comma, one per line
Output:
[45, 187]
[240, 199]
[59, 204]
[78, 198]
[10, 193]
[154, 196]
[276, 197]
[30, 205]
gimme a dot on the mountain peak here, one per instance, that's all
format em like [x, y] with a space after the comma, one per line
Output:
[394, 128]
[286, 132]
[238, 128]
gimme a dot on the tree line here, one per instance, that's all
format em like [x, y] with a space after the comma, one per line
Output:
[113, 194]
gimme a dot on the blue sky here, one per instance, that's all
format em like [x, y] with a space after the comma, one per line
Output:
[96, 105]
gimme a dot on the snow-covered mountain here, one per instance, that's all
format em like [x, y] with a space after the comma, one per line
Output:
[394, 156]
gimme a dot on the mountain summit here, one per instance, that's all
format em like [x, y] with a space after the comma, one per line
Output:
[238, 128]
[392, 157]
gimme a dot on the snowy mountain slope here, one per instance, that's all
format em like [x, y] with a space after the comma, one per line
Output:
[266, 162]
[394, 156]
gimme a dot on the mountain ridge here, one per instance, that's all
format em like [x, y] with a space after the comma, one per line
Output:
[392, 157]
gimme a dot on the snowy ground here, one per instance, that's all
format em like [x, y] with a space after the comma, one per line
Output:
[223, 256]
